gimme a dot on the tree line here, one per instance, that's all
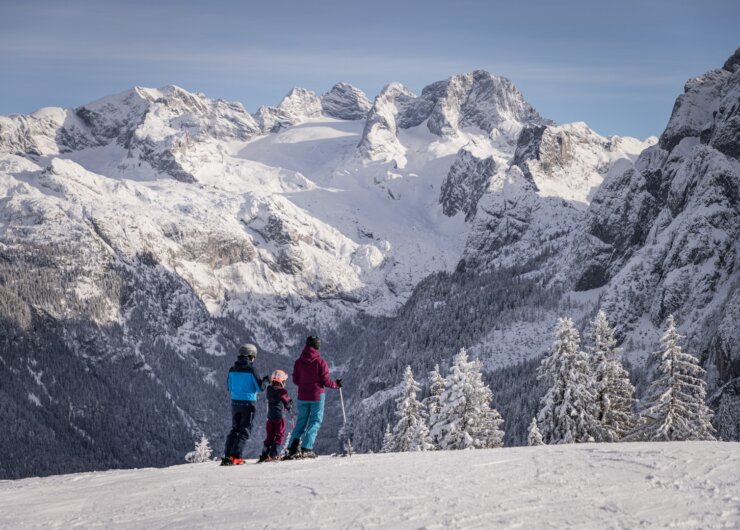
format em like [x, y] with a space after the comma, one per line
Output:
[589, 398]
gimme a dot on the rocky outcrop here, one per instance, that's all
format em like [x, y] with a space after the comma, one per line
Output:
[514, 224]
[345, 102]
[466, 182]
[570, 161]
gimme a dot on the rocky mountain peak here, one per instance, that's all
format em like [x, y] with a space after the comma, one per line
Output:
[476, 99]
[345, 102]
[732, 64]
[297, 106]
[379, 139]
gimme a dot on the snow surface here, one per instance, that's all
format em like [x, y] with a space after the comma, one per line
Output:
[651, 485]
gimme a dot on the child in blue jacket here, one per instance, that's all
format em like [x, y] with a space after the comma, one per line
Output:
[244, 383]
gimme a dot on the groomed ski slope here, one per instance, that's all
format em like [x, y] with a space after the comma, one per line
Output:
[684, 485]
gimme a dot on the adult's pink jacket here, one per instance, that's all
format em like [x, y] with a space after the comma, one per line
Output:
[311, 375]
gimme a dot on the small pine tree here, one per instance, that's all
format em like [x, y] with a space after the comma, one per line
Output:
[534, 437]
[465, 419]
[677, 408]
[201, 453]
[344, 436]
[568, 409]
[614, 392]
[410, 432]
[431, 403]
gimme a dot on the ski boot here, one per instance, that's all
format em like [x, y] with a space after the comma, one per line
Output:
[264, 457]
[293, 452]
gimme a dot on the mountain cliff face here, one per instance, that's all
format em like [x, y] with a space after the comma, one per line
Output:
[145, 235]
[467, 181]
[663, 234]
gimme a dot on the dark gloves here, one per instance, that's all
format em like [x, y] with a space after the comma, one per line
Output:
[339, 383]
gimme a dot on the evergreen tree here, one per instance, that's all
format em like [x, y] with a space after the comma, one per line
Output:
[614, 392]
[676, 410]
[534, 437]
[387, 440]
[410, 432]
[568, 409]
[465, 419]
[431, 403]
[201, 453]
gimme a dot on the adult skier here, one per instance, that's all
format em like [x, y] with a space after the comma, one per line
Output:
[244, 383]
[311, 376]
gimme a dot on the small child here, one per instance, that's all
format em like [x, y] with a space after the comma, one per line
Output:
[278, 403]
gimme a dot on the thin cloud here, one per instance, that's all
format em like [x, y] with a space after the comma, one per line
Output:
[396, 67]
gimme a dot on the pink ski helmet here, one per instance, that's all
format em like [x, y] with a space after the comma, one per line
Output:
[279, 376]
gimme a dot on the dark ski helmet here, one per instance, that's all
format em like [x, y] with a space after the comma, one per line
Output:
[313, 342]
[248, 350]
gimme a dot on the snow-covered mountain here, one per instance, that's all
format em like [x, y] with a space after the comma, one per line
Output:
[681, 484]
[289, 203]
[150, 232]
[658, 236]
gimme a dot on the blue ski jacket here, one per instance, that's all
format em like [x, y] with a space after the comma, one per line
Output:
[244, 382]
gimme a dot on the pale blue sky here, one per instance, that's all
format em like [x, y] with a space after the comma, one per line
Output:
[616, 65]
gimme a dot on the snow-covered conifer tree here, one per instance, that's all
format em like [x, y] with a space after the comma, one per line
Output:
[201, 453]
[431, 403]
[614, 392]
[676, 408]
[436, 387]
[410, 432]
[387, 446]
[465, 419]
[568, 409]
[534, 437]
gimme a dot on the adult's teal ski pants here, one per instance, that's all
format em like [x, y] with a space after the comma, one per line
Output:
[310, 416]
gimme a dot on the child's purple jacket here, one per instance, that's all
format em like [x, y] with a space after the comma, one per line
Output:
[311, 375]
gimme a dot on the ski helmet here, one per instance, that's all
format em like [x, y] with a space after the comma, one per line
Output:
[248, 350]
[313, 342]
[279, 376]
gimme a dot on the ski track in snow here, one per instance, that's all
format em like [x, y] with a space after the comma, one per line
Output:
[645, 485]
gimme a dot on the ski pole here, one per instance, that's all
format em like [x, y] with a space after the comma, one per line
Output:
[344, 417]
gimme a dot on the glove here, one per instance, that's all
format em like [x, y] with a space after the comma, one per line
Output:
[339, 383]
